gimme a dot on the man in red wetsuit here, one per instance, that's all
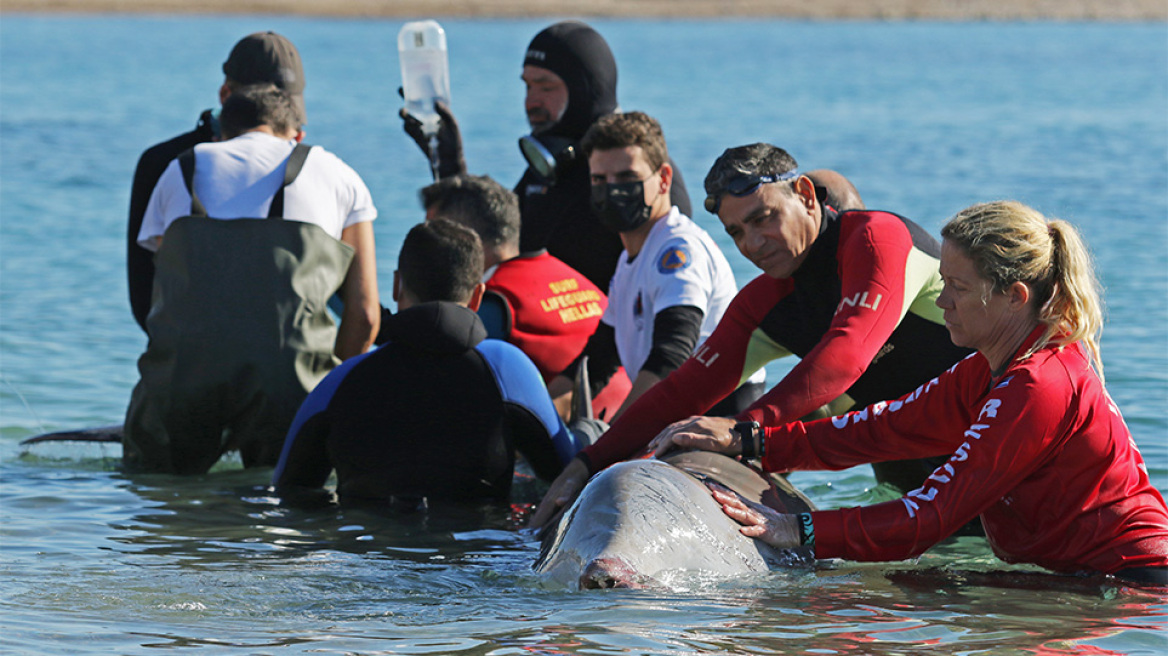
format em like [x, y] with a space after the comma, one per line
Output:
[852, 294]
[533, 300]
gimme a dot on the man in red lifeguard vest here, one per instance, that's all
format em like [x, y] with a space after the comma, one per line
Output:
[533, 300]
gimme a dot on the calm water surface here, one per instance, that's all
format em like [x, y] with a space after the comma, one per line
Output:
[925, 118]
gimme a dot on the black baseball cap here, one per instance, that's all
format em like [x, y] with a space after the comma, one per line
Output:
[268, 57]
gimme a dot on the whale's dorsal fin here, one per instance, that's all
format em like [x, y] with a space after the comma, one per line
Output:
[581, 394]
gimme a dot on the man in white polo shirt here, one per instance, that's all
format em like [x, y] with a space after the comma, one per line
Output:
[238, 326]
[672, 282]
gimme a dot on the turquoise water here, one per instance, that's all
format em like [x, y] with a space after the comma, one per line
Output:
[925, 118]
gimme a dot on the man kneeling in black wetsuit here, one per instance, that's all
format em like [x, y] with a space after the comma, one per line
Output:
[438, 411]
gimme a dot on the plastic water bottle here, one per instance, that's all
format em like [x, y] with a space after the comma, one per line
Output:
[421, 45]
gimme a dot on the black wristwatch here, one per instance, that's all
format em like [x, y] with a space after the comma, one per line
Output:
[753, 445]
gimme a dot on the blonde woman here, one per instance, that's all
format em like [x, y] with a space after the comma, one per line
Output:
[1038, 448]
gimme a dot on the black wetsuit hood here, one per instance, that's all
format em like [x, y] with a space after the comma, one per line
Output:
[581, 57]
[440, 326]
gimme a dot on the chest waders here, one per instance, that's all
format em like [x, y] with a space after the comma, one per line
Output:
[239, 334]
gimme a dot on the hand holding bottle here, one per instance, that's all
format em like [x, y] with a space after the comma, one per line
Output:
[448, 140]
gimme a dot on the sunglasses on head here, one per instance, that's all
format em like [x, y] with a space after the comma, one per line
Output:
[744, 185]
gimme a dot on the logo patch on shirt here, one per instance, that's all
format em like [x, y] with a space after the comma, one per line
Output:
[675, 258]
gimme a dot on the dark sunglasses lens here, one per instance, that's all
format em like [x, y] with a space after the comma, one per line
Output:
[743, 186]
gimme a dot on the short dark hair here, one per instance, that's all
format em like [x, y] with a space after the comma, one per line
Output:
[753, 160]
[477, 202]
[251, 106]
[628, 129]
[441, 261]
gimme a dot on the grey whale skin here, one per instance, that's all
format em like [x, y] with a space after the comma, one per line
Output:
[643, 523]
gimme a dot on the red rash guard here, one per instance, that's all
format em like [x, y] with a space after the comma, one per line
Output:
[860, 313]
[1044, 457]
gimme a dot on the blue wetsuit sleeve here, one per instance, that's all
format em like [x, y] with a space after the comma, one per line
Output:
[520, 384]
[495, 315]
[304, 459]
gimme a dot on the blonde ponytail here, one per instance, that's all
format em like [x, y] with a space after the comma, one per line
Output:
[1075, 311]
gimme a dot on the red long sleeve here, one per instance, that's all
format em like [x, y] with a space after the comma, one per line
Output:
[1044, 457]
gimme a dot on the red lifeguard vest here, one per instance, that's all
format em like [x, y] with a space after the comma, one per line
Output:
[552, 311]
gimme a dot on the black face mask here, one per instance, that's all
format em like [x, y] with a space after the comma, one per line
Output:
[620, 206]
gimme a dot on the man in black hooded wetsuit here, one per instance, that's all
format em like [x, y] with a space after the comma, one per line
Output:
[438, 411]
[570, 75]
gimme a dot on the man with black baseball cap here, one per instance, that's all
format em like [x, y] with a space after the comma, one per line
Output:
[257, 58]
[266, 57]
[252, 235]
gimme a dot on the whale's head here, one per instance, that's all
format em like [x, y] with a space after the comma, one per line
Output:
[648, 523]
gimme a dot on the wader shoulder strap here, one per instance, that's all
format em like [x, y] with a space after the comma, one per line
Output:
[186, 162]
[291, 170]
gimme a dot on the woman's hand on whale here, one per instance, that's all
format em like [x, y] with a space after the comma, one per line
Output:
[767, 524]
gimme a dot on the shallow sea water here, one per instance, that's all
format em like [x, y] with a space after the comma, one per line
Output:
[925, 118]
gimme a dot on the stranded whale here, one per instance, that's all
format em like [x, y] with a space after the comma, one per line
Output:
[643, 523]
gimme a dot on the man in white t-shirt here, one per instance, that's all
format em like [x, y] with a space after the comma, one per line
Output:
[238, 178]
[239, 327]
[672, 282]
